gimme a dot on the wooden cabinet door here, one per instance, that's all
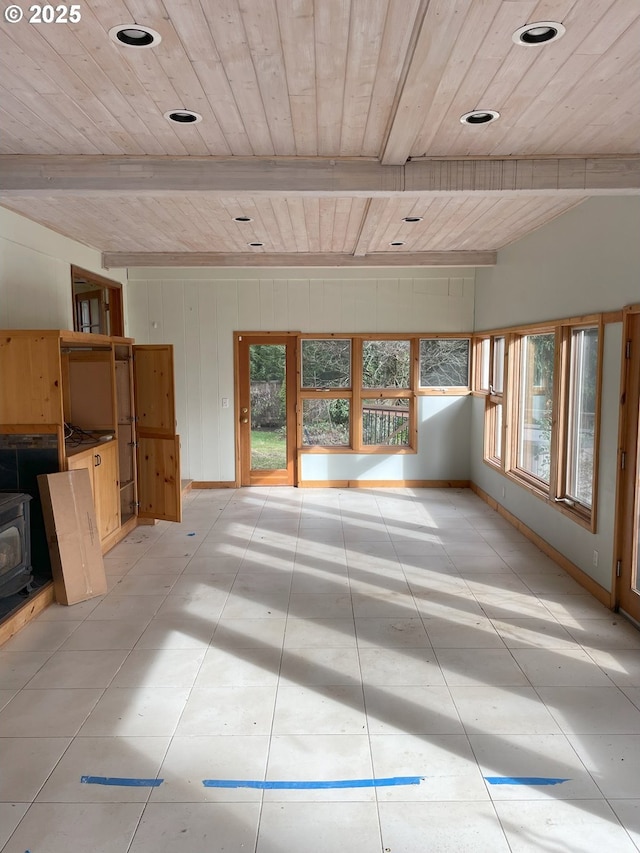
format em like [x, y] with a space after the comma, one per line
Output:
[158, 451]
[83, 460]
[106, 491]
[36, 356]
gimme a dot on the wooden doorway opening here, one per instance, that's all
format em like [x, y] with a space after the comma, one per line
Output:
[97, 304]
[628, 508]
[266, 384]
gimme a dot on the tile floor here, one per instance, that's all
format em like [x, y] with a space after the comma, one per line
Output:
[410, 637]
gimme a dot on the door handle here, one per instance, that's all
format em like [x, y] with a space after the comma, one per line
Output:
[244, 420]
[244, 410]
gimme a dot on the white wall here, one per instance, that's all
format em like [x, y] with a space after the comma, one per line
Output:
[443, 450]
[197, 310]
[585, 261]
[35, 274]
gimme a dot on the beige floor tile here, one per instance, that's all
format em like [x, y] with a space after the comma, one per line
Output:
[128, 758]
[193, 827]
[27, 763]
[442, 827]
[228, 711]
[62, 827]
[131, 712]
[47, 713]
[586, 825]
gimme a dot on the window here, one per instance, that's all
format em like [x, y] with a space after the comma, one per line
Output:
[444, 363]
[581, 415]
[326, 363]
[386, 364]
[535, 405]
[483, 357]
[358, 393]
[386, 422]
[541, 418]
[326, 422]
[494, 417]
[497, 374]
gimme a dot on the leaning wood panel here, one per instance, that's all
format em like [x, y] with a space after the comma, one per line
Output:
[35, 356]
[159, 485]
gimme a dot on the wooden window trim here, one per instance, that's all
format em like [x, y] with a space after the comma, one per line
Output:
[446, 390]
[357, 393]
[554, 493]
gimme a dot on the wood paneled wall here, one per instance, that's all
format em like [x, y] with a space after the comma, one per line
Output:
[197, 310]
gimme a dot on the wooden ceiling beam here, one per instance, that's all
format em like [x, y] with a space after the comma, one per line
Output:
[370, 222]
[112, 260]
[50, 176]
[438, 30]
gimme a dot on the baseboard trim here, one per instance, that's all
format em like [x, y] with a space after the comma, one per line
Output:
[580, 576]
[383, 484]
[29, 610]
[213, 484]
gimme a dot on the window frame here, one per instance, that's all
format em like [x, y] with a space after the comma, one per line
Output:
[555, 493]
[518, 345]
[495, 421]
[356, 393]
[304, 393]
[444, 390]
[563, 494]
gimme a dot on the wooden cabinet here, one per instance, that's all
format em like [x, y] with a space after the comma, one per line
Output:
[102, 463]
[111, 404]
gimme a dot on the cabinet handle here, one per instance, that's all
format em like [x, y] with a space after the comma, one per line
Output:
[98, 460]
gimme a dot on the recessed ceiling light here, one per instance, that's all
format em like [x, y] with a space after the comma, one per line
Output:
[479, 117]
[135, 35]
[183, 116]
[255, 245]
[412, 219]
[542, 32]
[397, 243]
[242, 219]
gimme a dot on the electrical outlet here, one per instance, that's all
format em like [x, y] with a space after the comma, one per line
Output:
[225, 402]
[595, 558]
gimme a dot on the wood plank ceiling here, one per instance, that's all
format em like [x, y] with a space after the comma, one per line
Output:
[350, 84]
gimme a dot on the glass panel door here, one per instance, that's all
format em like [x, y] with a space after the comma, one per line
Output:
[268, 390]
[267, 419]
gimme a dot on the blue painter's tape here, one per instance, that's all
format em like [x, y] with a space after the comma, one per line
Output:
[338, 783]
[524, 780]
[121, 782]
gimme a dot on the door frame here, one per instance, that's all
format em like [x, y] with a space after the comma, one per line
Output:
[628, 490]
[290, 340]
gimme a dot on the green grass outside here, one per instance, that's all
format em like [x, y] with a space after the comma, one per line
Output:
[268, 450]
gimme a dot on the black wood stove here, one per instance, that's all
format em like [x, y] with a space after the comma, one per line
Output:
[15, 543]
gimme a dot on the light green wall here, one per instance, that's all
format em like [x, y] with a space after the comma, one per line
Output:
[584, 262]
[35, 274]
